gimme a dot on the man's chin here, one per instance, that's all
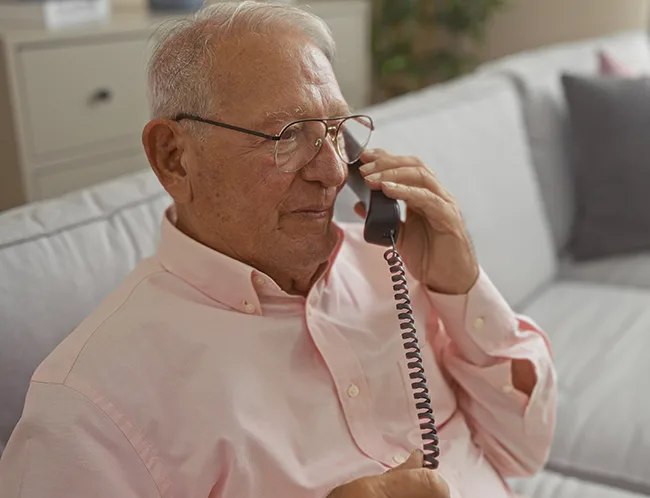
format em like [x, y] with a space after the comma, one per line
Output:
[315, 246]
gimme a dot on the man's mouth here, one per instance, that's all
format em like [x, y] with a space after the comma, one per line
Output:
[314, 212]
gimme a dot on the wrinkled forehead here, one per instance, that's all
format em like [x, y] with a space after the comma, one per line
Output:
[265, 77]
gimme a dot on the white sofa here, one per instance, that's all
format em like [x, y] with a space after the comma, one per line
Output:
[498, 140]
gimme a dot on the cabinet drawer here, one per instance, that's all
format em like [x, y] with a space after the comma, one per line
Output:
[52, 182]
[79, 95]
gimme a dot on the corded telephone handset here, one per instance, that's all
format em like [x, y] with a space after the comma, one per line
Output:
[382, 228]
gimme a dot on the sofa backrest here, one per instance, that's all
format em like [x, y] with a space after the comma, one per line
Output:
[537, 75]
[472, 135]
[58, 259]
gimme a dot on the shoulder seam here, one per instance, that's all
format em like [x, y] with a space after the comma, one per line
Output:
[144, 278]
[117, 426]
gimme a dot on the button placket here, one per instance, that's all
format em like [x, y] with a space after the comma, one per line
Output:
[346, 372]
[353, 391]
[248, 307]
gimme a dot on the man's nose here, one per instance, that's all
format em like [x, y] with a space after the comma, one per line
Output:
[327, 167]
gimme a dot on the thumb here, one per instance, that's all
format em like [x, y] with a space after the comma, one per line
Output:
[415, 483]
[360, 209]
[414, 461]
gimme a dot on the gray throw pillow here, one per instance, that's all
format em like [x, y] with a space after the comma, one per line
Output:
[610, 123]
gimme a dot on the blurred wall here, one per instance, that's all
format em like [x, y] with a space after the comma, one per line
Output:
[528, 24]
[137, 5]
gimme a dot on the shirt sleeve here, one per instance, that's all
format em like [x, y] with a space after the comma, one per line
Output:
[478, 337]
[65, 446]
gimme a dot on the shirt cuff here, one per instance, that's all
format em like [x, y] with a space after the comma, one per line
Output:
[480, 323]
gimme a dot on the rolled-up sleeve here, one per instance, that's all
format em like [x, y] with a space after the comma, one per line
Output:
[481, 336]
[65, 446]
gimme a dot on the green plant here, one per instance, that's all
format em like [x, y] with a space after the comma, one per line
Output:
[420, 42]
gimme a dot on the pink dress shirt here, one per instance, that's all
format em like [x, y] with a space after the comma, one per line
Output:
[200, 377]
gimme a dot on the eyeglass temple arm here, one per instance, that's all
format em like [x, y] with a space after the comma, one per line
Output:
[192, 117]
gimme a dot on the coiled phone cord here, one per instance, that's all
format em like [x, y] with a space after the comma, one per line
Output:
[413, 354]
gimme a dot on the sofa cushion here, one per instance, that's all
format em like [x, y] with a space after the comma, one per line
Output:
[626, 270]
[432, 97]
[58, 259]
[601, 337]
[473, 138]
[537, 73]
[551, 485]
[610, 126]
[609, 66]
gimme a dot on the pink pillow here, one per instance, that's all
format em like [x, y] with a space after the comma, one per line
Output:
[609, 66]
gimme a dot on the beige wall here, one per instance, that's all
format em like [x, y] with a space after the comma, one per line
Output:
[528, 24]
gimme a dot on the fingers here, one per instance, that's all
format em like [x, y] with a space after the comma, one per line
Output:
[372, 154]
[441, 214]
[415, 483]
[387, 161]
[415, 176]
[408, 179]
[408, 480]
[360, 209]
[402, 169]
[414, 461]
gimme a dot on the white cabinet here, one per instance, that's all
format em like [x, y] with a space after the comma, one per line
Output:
[73, 102]
[77, 95]
[72, 107]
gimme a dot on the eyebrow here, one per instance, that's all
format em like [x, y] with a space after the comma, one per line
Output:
[285, 116]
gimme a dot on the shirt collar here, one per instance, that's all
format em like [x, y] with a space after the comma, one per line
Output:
[220, 277]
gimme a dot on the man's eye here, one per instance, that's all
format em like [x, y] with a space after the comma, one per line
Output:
[290, 135]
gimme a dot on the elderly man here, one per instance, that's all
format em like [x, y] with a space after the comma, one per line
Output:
[258, 352]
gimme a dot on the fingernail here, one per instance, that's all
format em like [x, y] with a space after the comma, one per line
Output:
[367, 168]
[391, 185]
[375, 177]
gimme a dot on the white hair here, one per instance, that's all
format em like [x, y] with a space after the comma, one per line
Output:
[182, 63]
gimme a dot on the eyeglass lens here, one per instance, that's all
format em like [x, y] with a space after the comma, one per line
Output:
[301, 142]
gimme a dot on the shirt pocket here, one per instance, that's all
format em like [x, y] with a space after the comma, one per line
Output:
[413, 433]
[394, 407]
[443, 398]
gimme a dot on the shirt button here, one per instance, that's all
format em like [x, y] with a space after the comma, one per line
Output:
[259, 280]
[507, 389]
[353, 390]
[249, 307]
[399, 459]
[479, 323]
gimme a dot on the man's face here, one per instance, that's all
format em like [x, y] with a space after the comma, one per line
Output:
[241, 203]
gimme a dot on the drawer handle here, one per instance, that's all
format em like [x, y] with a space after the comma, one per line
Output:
[101, 96]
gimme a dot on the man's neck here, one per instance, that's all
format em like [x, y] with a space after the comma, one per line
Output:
[299, 284]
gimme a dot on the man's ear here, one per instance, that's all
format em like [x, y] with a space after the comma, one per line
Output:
[165, 144]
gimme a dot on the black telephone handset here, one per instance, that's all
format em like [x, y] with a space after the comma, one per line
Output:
[382, 213]
[382, 228]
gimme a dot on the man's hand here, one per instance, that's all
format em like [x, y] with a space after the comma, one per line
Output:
[409, 480]
[433, 241]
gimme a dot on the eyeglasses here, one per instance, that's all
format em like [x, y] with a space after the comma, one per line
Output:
[300, 141]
